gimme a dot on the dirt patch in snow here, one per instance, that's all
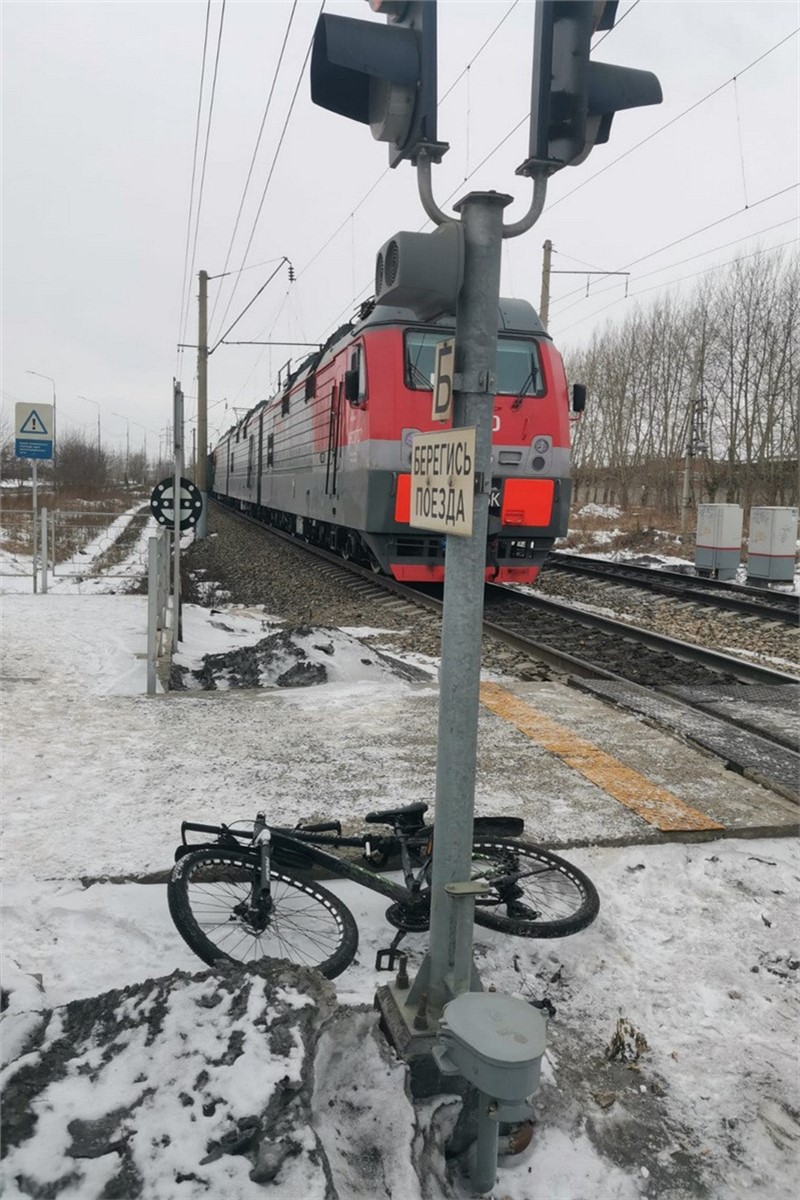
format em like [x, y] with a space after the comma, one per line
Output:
[303, 656]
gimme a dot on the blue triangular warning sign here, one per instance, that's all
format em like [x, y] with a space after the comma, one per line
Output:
[33, 423]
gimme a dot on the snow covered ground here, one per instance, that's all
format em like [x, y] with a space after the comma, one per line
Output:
[693, 962]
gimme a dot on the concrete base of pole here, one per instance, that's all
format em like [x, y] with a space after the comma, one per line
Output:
[413, 1045]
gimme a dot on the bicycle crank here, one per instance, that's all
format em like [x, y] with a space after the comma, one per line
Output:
[411, 918]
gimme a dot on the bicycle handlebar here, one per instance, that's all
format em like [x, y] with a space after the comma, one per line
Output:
[195, 827]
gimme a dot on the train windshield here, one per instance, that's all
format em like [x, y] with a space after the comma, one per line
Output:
[517, 368]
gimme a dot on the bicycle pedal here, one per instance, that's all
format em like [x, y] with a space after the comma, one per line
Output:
[386, 960]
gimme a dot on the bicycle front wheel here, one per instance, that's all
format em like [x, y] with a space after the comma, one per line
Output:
[533, 893]
[211, 893]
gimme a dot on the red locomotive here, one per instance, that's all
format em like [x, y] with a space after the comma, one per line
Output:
[328, 457]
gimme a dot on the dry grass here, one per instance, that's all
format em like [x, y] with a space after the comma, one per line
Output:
[80, 518]
[637, 531]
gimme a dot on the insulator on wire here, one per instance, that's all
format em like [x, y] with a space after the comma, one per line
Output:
[291, 273]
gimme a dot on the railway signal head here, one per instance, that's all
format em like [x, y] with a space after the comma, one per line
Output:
[573, 99]
[382, 75]
[422, 271]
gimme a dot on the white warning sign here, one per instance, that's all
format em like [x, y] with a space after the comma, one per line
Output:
[443, 481]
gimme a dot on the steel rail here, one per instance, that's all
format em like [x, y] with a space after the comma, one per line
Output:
[737, 597]
[560, 660]
[579, 672]
[713, 660]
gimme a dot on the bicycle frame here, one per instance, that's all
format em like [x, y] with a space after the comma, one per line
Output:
[257, 866]
[302, 847]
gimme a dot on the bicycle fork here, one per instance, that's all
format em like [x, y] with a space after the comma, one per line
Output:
[260, 904]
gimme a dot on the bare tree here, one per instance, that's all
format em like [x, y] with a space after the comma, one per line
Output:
[739, 330]
[81, 464]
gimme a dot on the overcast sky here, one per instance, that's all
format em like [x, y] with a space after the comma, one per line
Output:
[100, 105]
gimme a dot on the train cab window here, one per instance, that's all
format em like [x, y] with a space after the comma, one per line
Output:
[285, 405]
[517, 369]
[311, 386]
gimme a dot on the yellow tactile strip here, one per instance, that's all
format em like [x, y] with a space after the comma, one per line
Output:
[652, 803]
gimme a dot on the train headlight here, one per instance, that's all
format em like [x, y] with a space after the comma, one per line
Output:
[541, 445]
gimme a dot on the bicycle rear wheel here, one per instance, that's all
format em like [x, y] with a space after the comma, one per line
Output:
[534, 893]
[210, 900]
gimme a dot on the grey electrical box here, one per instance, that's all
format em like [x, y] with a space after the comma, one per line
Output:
[771, 544]
[718, 544]
[495, 1042]
[422, 271]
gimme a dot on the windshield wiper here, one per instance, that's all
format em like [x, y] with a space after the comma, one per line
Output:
[418, 376]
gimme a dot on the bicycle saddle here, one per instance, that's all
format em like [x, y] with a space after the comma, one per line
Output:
[388, 816]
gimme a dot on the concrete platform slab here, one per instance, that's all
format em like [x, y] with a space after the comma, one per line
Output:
[563, 807]
[740, 749]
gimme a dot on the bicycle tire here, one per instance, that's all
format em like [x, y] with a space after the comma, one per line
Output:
[559, 898]
[308, 924]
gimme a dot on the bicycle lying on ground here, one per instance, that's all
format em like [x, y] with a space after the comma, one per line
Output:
[238, 897]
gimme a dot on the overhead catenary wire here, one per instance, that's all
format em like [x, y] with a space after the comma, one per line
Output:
[247, 306]
[696, 104]
[617, 24]
[747, 237]
[271, 171]
[191, 188]
[685, 238]
[674, 120]
[682, 279]
[205, 161]
[387, 170]
[267, 107]
[643, 258]
[580, 261]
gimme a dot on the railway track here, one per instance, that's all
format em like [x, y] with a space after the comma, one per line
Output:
[694, 589]
[710, 697]
[570, 640]
[602, 647]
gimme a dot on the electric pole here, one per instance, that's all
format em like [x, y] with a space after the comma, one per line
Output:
[200, 462]
[697, 370]
[544, 303]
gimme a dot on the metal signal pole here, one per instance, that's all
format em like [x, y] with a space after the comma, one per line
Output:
[177, 409]
[476, 350]
[448, 970]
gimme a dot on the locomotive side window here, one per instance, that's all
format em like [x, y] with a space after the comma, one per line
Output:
[517, 369]
[250, 457]
[270, 448]
[355, 378]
